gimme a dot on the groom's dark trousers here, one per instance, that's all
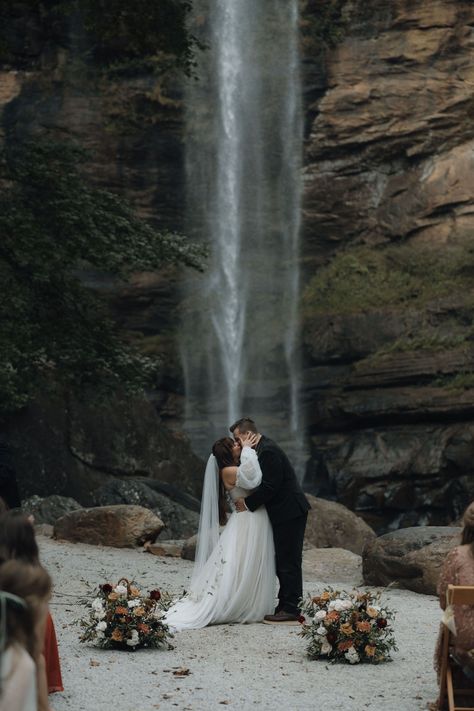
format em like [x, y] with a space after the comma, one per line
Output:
[287, 508]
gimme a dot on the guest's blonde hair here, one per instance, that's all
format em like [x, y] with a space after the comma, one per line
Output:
[32, 585]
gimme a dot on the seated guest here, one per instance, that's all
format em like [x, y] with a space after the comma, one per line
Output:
[458, 569]
[17, 541]
[24, 594]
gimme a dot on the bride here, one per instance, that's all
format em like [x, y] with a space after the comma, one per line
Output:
[233, 578]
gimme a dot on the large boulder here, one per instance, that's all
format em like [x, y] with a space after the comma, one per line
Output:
[332, 525]
[179, 521]
[48, 509]
[332, 565]
[411, 557]
[116, 526]
[188, 551]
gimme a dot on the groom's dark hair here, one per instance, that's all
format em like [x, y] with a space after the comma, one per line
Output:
[245, 424]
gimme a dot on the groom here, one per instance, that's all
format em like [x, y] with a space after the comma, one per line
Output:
[287, 509]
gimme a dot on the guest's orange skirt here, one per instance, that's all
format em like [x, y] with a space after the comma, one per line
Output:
[53, 667]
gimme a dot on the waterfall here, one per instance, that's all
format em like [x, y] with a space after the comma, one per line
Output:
[239, 345]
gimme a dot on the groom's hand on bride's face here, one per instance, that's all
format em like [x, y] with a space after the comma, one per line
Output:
[240, 505]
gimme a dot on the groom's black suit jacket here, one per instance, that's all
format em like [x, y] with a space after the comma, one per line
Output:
[279, 490]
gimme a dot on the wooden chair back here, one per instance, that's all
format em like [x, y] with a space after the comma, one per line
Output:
[455, 595]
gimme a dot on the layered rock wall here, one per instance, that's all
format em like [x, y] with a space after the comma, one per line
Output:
[390, 163]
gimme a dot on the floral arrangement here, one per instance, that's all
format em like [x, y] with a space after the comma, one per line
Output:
[347, 627]
[121, 617]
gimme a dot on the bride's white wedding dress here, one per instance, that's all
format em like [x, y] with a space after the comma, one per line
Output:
[237, 581]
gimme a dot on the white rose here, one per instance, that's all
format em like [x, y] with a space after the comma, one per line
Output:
[99, 614]
[322, 631]
[133, 641]
[133, 603]
[320, 615]
[339, 605]
[326, 647]
[120, 590]
[100, 635]
[346, 604]
[102, 626]
[97, 604]
[352, 656]
[158, 614]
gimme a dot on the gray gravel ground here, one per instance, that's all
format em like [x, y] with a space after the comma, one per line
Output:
[240, 666]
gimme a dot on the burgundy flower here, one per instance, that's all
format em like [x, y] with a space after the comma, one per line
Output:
[154, 595]
[301, 619]
[331, 636]
[106, 588]
[381, 623]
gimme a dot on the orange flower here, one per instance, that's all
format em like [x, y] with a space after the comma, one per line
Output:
[113, 596]
[134, 592]
[332, 616]
[120, 610]
[372, 612]
[117, 636]
[347, 629]
[370, 651]
[344, 646]
[138, 611]
[143, 628]
[364, 626]
[325, 596]
[316, 600]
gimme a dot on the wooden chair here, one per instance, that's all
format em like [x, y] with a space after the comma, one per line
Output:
[456, 595]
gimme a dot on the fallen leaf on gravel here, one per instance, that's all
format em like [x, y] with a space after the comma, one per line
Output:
[183, 671]
[224, 702]
[93, 663]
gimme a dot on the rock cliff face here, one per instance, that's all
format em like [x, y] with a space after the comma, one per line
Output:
[389, 164]
[389, 157]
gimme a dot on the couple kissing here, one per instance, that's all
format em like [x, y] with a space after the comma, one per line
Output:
[235, 571]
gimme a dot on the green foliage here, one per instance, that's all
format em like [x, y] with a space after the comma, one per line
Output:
[364, 279]
[427, 341]
[53, 225]
[461, 381]
[325, 24]
[111, 32]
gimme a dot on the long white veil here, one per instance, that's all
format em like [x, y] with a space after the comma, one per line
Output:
[208, 533]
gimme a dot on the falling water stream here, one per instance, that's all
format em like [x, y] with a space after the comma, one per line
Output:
[240, 334]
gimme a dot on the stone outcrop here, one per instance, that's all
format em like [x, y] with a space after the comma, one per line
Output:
[411, 557]
[179, 521]
[389, 387]
[48, 509]
[69, 448]
[115, 526]
[331, 525]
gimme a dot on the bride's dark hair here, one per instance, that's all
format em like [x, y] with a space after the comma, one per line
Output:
[222, 450]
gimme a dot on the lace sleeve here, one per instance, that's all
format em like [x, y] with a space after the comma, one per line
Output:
[249, 474]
